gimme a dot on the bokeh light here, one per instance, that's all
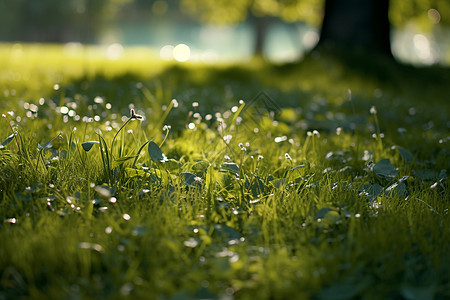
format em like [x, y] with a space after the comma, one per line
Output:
[423, 48]
[166, 52]
[114, 51]
[181, 52]
[434, 16]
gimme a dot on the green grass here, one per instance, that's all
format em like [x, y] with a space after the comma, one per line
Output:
[211, 208]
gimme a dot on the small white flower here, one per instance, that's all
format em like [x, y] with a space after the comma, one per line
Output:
[260, 157]
[98, 100]
[373, 110]
[164, 158]
[287, 156]
[338, 130]
[227, 138]
[315, 132]
[134, 115]
[242, 147]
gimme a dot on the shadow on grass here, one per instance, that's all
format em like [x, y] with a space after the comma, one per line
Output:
[318, 85]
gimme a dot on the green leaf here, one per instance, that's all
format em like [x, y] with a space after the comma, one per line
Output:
[385, 170]
[398, 188]
[44, 147]
[425, 174]
[131, 172]
[155, 152]
[226, 233]
[294, 173]
[143, 192]
[407, 156]
[257, 187]
[321, 213]
[8, 140]
[296, 168]
[173, 165]
[230, 166]
[279, 182]
[88, 145]
[121, 160]
[200, 166]
[190, 179]
[419, 292]
[371, 191]
[225, 180]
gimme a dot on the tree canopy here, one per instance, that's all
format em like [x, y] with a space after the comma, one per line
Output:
[61, 21]
[424, 13]
[236, 11]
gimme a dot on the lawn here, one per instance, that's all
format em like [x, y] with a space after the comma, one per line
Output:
[141, 179]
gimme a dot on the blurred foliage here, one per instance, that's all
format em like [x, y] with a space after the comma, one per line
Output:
[84, 20]
[235, 11]
[54, 20]
[424, 13]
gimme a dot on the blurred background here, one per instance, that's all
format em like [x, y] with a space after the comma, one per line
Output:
[214, 30]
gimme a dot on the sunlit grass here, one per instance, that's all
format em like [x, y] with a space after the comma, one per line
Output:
[342, 193]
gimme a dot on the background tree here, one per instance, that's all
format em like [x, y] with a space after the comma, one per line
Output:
[259, 12]
[349, 23]
[346, 24]
[356, 24]
[365, 26]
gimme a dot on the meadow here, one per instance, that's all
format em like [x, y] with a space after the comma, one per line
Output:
[142, 179]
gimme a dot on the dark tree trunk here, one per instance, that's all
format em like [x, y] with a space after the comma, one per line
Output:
[356, 25]
[261, 25]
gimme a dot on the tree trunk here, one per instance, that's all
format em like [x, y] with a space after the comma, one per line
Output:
[261, 25]
[361, 25]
